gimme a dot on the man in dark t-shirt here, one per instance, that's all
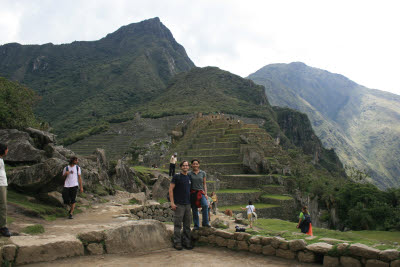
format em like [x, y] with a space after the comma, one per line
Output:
[179, 194]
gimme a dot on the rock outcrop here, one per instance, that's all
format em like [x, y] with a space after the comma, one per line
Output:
[38, 164]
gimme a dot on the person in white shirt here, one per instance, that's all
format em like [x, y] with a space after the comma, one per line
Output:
[250, 209]
[3, 192]
[172, 164]
[72, 174]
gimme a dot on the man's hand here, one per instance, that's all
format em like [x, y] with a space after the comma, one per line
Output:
[66, 173]
[173, 206]
[81, 189]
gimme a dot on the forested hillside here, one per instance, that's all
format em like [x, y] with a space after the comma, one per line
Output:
[85, 84]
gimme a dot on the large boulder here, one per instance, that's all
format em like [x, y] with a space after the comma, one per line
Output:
[41, 138]
[160, 188]
[252, 159]
[21, 147]
[137, 236]
[126, 178]
[42, 177]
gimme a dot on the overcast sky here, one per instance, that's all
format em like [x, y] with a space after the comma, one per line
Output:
[359, 39]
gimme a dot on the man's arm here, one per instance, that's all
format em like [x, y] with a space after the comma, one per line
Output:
[80, 183]
[65, 172]
[171, 196]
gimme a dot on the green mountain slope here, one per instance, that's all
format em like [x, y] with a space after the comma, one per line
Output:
[359, 123]
[84, 84]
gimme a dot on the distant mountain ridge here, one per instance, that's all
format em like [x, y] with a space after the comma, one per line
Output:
[86, 83]
[359, 123]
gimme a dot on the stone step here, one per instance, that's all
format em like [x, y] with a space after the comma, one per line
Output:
[210, 151]
[276, 199]
[228, 168]
[274, 189]
[237, 196]
[215, 145]
[250, 180]
[244, 130]
[214, 158]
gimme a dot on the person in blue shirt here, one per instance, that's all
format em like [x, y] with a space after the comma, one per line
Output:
[179, 195]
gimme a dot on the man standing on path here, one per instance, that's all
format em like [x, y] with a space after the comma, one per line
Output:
[3, 192]
[179, 195]
[72, 172]
[172, 164]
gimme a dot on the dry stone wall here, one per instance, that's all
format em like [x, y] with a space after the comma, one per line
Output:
[342, 254]
[159, 212]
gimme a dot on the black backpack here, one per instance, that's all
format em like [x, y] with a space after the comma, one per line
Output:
[307, 219]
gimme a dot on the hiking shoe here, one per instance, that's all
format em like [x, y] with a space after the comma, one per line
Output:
[178, 246]
[5, 232]
[196, 228]
[207, 226]
[188, 247]
[70, 216]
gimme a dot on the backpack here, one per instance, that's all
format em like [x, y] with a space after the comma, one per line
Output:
[307, 219]
[77, 169]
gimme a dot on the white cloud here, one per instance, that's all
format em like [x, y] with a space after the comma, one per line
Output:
[355, 38]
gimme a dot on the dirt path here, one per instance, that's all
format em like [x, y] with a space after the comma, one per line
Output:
[200, 256]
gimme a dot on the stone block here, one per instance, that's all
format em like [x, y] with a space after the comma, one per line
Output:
[284, 244]
[203, 239]
[224, 234]
[9, 252]
[95, 249]
[241, 236]
[376, 263]
[222, 242]
[232, 243]
[306, 256]
[269, 250]
[319, 248]
[33, 249]
[211, 239]
[92, 237]
[266, 240]
[364, 251]
[137, 236]
[389, 255]
[242, 245]
[297, 244]
[395, 263]
[255, 248]
[346, 261]
[342, 247]
[331, 261]
[286, 254]
[276, 241]
[255, 240]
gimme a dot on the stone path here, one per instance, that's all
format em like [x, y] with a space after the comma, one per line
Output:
[199, 256]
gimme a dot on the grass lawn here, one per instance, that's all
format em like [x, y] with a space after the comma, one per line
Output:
[288, 230]
[236, 191]
[47, 212]
[256, 205]
[144, 169]
[279, 197]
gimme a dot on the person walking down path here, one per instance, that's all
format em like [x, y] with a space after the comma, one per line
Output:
[214, 202]
[198, 195]
[72, 174]
[250, 209]
[305, 221]
[179, 195]
[3, 192]
[172, 164]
